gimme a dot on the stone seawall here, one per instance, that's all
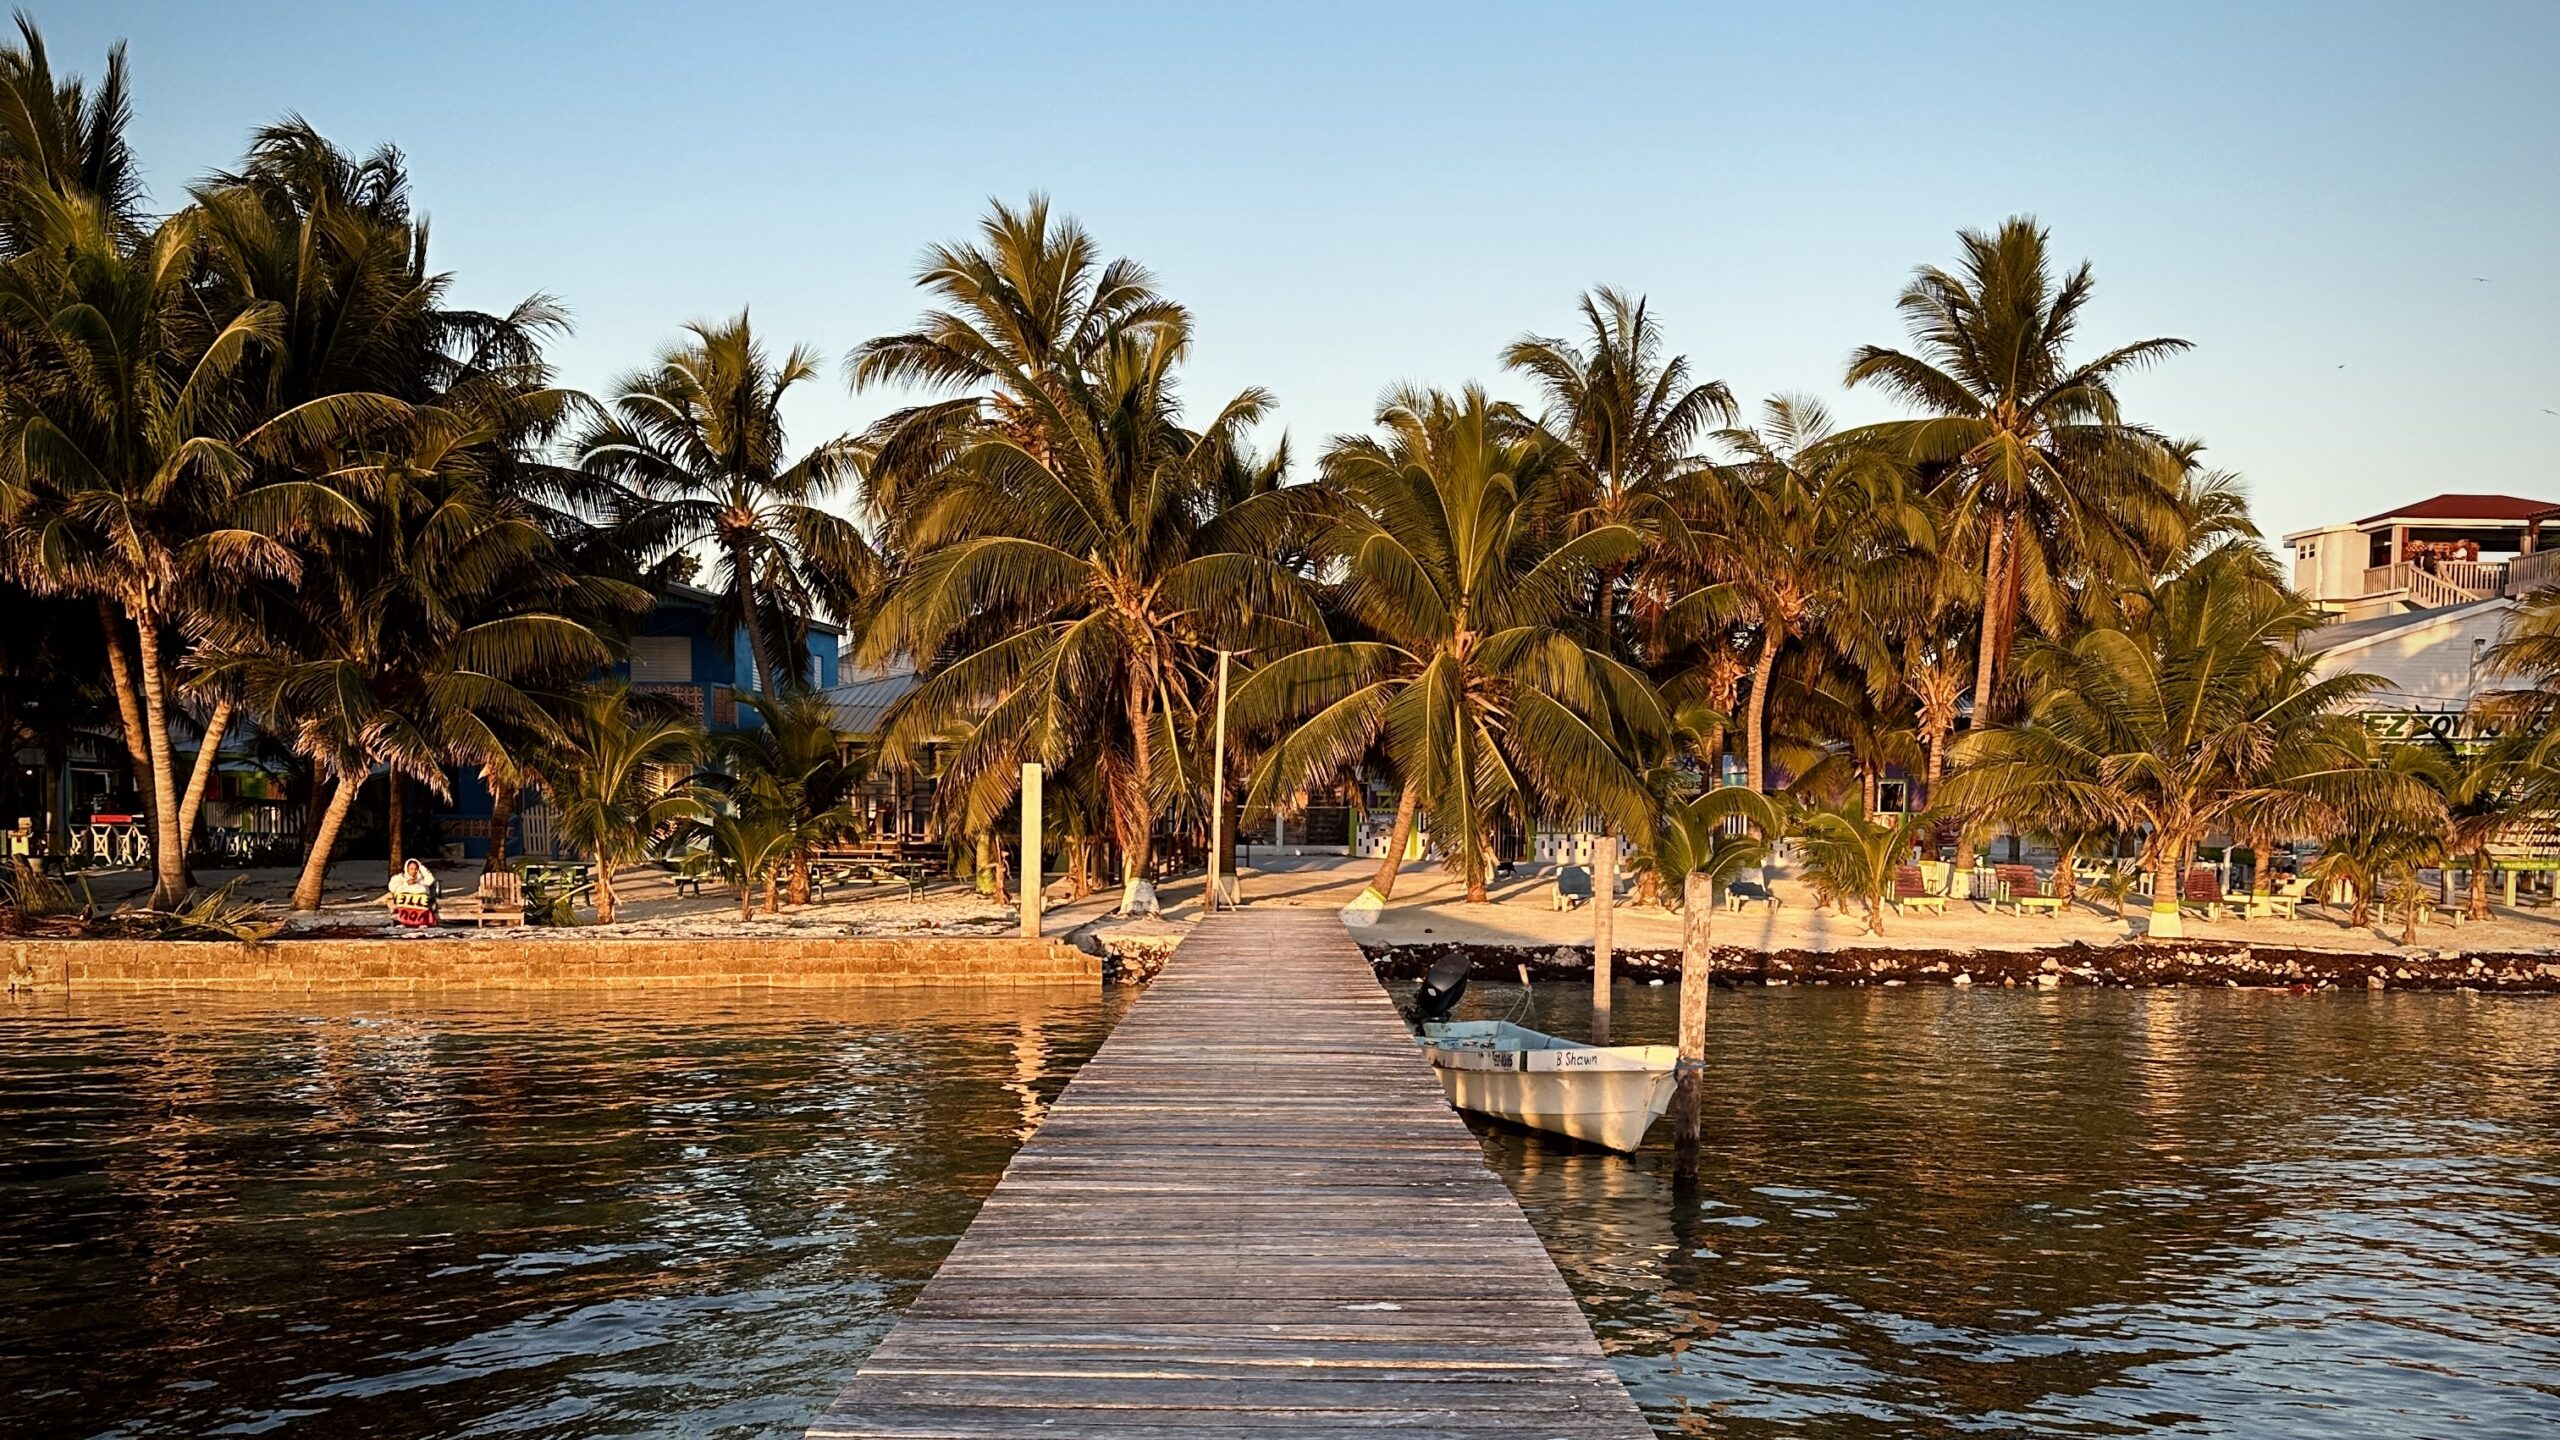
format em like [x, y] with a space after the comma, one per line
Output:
[494, 963]
[2134, 965]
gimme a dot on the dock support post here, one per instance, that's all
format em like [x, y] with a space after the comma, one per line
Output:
[1031, 851]
[1697, 959]
[1604, 894]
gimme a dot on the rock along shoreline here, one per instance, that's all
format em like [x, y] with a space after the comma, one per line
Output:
[2134, 965]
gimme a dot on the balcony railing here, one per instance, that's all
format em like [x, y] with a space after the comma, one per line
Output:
[2531, 572]
[2446, 582]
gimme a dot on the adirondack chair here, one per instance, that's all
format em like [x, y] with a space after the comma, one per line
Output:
[2024, 891]
[1911, 891]
[498, 901]
[2202, 890]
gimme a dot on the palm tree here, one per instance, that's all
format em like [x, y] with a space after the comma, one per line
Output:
[61, 136]
[747, 840]
[1791, 520]
[699, 437]
[1073, 554]
[2041, 476]
[1850, 855]
[131, 471]
[1630, 421]
[2204, 718]
[612, 799]
[790, 767]
[1457, 559]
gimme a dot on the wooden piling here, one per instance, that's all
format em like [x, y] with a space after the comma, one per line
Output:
[1697, 969]
[1604, 895]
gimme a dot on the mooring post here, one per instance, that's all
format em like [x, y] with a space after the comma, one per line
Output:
[1031, 851]
[1604, 894]
[1697, 921]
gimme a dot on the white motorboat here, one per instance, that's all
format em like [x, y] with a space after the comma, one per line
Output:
[1608, 1095]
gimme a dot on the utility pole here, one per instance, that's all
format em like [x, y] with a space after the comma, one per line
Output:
[1604, 894]
[1217, 791]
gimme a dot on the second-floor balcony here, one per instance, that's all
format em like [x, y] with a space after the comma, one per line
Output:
[2435, 583]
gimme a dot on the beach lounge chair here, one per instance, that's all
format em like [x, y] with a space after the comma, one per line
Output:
[1738, 893]
[1572, 887]
[2024, 891]
[1911, 891]
[498, 901]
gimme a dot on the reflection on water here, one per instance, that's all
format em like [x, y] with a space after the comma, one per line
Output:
[539, 1216]
[1934, 1212]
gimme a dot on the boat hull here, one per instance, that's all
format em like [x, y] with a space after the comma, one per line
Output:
[1605, 1096]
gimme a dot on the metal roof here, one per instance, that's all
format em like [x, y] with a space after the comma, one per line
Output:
[862, 703]
[2350, 632]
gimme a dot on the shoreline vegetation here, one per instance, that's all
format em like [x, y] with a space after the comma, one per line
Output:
[261, 478]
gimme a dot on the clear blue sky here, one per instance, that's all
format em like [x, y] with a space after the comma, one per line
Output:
[2353, 210]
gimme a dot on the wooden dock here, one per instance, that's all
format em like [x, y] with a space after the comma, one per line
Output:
[1252, 1212]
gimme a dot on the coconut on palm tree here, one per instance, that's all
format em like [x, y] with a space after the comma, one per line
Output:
[1471, 674]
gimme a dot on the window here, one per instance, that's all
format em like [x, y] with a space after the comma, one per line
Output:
[661, 660]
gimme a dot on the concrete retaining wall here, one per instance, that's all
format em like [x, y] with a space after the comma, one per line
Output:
[494, 963]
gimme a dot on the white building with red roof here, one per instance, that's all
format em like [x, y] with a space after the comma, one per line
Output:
[2447, 550]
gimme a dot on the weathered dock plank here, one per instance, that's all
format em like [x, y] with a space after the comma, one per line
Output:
[1252, 1212]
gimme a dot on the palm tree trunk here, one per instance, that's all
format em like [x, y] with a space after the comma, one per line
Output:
[1136, 805]
[502, 813]
[137, 741]
[393, 815]
[168, 848]
[1755, 733]
[800, 876]
[1475, 863]
[746, 900]
[1995, 558]
[759, 653]
[2479, 907]
[1399, 835]
[208, 759]
[2168, 875]
[324, 839]
[604, 890]
[773, 891]
[2064, 880]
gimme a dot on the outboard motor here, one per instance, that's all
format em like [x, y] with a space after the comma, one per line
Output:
[1441, 986]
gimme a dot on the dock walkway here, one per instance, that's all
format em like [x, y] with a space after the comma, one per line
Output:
[1252, 1212]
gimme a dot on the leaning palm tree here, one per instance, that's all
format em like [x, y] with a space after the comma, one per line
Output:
[1630, 420]
[1456, 558]
[1071, 552]
[2043, 480]
[613, 798]
[698, 437]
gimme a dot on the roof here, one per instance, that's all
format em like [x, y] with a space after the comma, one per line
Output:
[2466, 507]
[699, 598]
[862, 703]
[2350, 634]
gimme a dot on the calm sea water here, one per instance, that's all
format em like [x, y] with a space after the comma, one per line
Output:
[1938, 1212]
[679, 1216]
[1924, 1213]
